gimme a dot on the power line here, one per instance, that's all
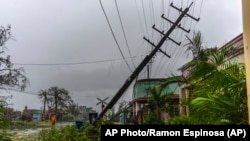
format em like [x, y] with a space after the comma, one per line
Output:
[73, 63]
[200, 8]
[114, 35]
[152, 17]
[25, 92]
[160, 65]
[180, 51]
[139, 17]
[145, 18]
[152, 4]
[124, 32]
[199, 12]
[36, 94]
[145, 21]
[175, 51]
[160, 36]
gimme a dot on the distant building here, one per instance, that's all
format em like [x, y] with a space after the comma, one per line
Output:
[36, 114]
[31, 114]
[82, 113]
[238, 45]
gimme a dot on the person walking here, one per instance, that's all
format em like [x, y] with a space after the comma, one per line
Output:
[53, 120]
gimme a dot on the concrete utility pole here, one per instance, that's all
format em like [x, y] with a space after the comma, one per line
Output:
[246, 38]
[148, 57]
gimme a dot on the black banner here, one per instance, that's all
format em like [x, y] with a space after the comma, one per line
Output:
[189, 132]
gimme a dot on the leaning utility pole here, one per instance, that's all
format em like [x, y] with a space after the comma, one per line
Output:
[147, 58]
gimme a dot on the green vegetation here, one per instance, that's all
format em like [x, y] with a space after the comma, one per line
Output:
[32, 137]
[217, 87]
[4, 136]
[88, 132]
[11, 77]
[156, 103]
[29, 125]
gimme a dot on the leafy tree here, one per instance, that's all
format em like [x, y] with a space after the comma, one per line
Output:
[26, 115]
[10, 77]
[58, 98]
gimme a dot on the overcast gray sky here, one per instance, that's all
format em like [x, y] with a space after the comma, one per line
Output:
[76, 32]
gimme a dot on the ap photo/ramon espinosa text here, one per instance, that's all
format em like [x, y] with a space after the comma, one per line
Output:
[195, 132]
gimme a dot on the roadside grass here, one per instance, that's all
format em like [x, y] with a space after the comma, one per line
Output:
[62, 132]
[29, 131]
[29, 125]
[31, 137]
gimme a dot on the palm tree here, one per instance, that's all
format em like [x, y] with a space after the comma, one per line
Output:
[218, 86]
[195, 44]
[219, 94]
[43, 95]
[219, 89]
[157, 101]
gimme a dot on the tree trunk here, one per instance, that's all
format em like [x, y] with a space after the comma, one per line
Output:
[44, 106]
[56, 100]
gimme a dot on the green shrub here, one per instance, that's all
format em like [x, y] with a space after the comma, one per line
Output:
[183, 120]
[70, 133]
[87, 132]
[4, 136]
[152, 119]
